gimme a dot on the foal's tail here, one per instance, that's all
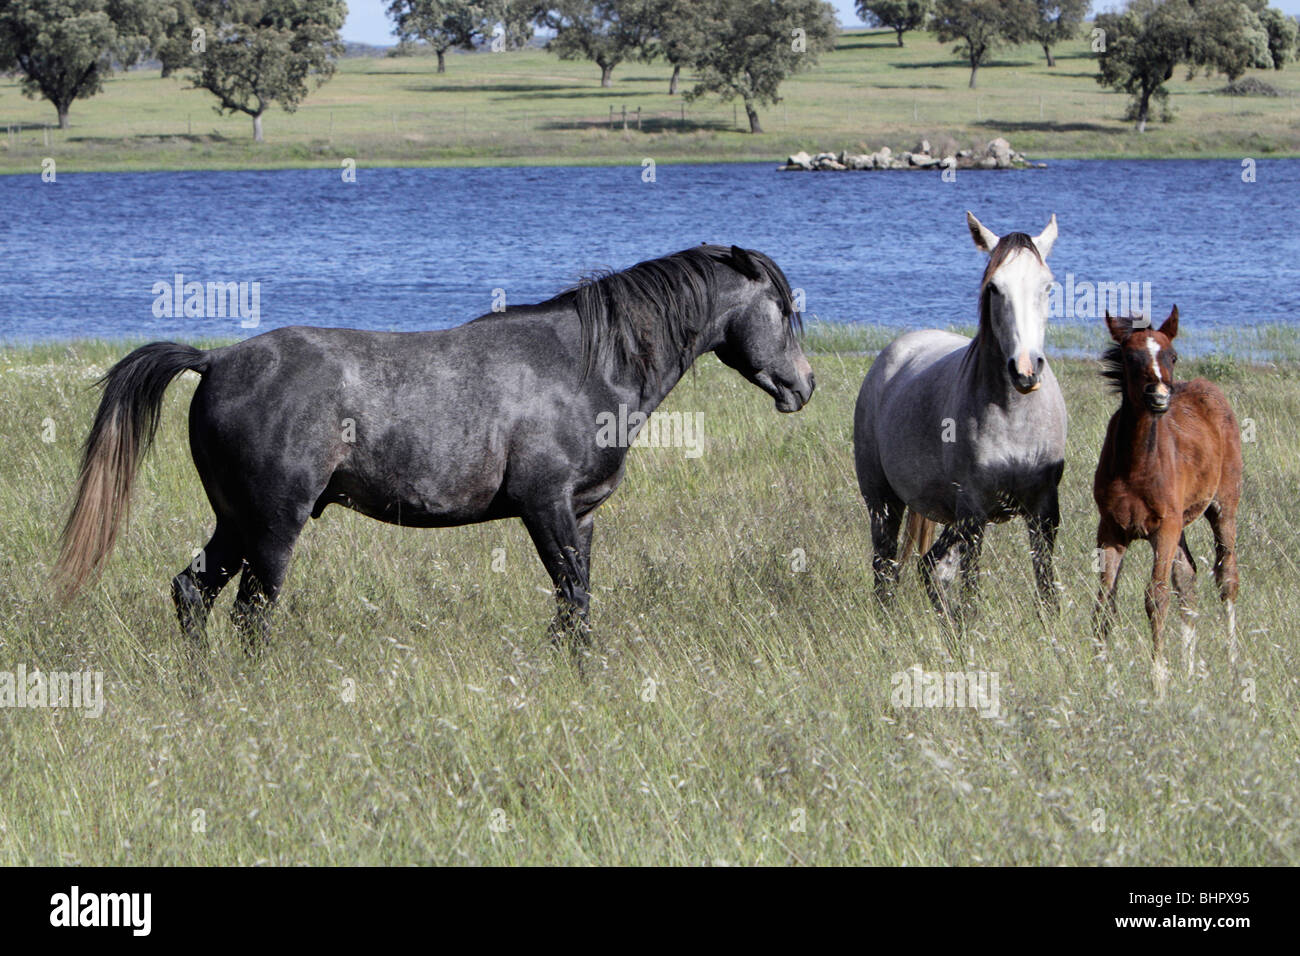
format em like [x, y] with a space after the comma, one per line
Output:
[918, 536]
[124, 426]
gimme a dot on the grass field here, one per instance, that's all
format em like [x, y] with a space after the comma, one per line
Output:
[530, 107]
[410, 712]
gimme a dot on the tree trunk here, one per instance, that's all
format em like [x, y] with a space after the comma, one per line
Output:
[753, 117]
[606, 75]
[1051, 60]
[672, 84]
[257, 128]
[442, 61]
[899, 31]
[1144, 109]
[974, 67]
[63, 116]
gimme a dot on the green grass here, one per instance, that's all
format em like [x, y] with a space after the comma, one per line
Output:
[530, 107]
[772, 687]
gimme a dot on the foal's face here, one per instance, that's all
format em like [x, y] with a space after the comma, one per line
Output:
[1017, 286]
[1149, 359]
[759, 344]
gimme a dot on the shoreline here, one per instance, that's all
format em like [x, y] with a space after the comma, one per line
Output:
[535, 162]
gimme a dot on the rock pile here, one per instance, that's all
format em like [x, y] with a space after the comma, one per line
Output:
[996, 154]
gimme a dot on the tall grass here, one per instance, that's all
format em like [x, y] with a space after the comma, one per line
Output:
[410, 711]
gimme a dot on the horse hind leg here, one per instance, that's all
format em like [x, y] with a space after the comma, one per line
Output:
[195, 589]
[260, 584]
[1184, 581]
[1222, 517]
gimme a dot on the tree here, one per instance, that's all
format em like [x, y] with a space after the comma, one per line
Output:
[1282, 35]
[1056, 21]
[606, 32]
[174, 46]
[898, 15]
[745, 48]
[671, 26]
[442, 24]
[1228, 37]
[259, 52]
[979, 27]
[1144, 45]
[510, 21]
[65, 49]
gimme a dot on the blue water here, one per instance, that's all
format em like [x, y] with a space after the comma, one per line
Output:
[425, 248]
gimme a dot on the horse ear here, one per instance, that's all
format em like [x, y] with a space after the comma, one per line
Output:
[745, 264]
[1120, 327]
[1170, 328]
[1044, 240]
[985, 238]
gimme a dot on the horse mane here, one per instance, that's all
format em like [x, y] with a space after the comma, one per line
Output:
[1112, 367]
[637, 317]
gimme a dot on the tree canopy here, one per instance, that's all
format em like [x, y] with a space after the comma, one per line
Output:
[979, 27]
[606, 32]
[744, 49]
[65, 49]
[259, 52]
[898, 15]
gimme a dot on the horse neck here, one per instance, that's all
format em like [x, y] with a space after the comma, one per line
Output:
[649, 389]
[982, 369]
[1137, 435]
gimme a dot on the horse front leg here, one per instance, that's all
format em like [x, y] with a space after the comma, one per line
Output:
[1042, 523]
[564, 547]
[1165, 545]
[955, 552]
[1110, 552]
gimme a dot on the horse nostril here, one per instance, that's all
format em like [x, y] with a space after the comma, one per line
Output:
[1038, 365]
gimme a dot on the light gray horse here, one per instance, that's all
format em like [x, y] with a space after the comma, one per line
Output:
[967, 431]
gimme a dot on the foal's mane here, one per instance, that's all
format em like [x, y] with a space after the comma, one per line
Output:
[641, 315]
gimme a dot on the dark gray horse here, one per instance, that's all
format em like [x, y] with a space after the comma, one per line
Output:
[967, 431]
[497, 418]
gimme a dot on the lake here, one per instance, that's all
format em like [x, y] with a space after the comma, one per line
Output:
[426, 248]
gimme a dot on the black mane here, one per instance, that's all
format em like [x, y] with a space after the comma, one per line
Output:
[651, 311]
[1112, 367]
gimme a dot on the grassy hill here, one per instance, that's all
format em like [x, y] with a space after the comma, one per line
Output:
[530, 107]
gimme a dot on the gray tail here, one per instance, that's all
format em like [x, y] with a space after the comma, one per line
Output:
[124, 428]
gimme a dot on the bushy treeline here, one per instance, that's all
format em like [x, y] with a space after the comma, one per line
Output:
[252, 54]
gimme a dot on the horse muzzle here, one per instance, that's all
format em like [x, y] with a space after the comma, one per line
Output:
[1157, 402]
[1025, 382]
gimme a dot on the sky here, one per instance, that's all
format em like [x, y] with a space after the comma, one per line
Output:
[366, 22]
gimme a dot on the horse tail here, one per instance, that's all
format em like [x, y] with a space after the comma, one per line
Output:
[124, 428]
[918, 535]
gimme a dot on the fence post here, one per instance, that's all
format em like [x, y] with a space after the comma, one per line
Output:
[638, 119]
[625, 117]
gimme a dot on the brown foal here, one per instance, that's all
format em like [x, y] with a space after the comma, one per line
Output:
[1172, 453]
